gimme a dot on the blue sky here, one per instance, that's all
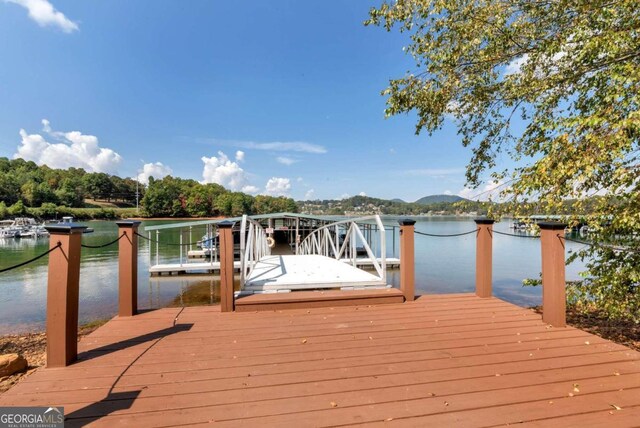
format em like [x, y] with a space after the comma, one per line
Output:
[278, 97]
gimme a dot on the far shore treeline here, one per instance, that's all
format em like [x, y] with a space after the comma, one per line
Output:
[46, 193]
[27, 189]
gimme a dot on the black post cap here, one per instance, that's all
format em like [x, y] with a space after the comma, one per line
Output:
[128, 223]
[406, 222]
[552, 225]
[66, 228]
[484, 220]
[225, 224]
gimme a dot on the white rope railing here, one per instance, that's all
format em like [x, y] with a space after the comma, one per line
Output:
[341, 240]
[253, 246]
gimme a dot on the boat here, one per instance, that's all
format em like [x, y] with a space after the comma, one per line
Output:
[66, 220]
[37, 231]
[208, 242]
[8, 229]
[29, 228]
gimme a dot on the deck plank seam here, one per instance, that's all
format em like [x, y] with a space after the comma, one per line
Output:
[400, 400]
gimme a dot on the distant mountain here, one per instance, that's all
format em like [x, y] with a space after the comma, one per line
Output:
[436, 199]
[398, 200]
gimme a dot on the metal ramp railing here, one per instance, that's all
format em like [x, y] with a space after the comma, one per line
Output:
[253, 246]
[343, 240]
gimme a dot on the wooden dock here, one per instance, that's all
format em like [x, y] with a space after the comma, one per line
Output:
[317, 299]
[445, 360]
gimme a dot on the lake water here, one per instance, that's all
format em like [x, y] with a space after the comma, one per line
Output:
[443, 265]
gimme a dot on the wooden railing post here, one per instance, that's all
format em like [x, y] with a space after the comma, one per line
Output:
[127, 268]
[554, 298]
[63, 292]
[484, 257]
[225, 239]
[407, 259]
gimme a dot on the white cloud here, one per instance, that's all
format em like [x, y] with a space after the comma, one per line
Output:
[309, 195]
[43, 12]
[277, 186]
[276, 146]
[286, 160]
[516, 65]
[299, 179]
[447, 192]
[435, 172]
[156, 170]
[240, 156]
[452, 110]
[344, 196]
[490, 191]
[223, 171]
[74, 149]
[250, 189]
[362, 194]
[550, 63]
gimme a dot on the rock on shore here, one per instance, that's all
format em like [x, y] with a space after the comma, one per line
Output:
[11, 363]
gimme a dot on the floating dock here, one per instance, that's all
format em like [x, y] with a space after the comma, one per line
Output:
[195, 268]
[188, 268]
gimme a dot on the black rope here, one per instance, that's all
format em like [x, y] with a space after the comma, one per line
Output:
[32, 260]
[447, 236]
[517, 236]
[169, 243]
[105, 245]
[593, 244]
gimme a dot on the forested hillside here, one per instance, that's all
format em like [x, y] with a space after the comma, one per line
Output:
[40, 191]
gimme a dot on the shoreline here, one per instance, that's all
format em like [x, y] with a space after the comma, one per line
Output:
[33, 347]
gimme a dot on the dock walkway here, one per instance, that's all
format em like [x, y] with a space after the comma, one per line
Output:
[445, 360]
[273, 273]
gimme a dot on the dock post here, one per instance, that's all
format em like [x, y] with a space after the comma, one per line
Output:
[407, 259]
[127, 268]
[63, 292]
[554, 298]
[226, 265]
[484, 257]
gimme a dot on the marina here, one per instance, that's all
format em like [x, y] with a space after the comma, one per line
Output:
[22, 227]
[284, 231]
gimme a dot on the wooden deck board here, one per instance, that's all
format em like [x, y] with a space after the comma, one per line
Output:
[439, 361]
[317, 299]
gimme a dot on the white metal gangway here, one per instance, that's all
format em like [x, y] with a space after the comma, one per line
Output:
[326, 258]
[253, 247]
[343, 240]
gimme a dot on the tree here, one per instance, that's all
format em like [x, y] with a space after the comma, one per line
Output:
[165, 198]
[70, 192]
[98, 185]
[17, 209]
[201, 199]
[9, 188]
[555, 85]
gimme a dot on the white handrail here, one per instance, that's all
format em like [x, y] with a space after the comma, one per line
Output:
[325, 241]
[253, 246]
